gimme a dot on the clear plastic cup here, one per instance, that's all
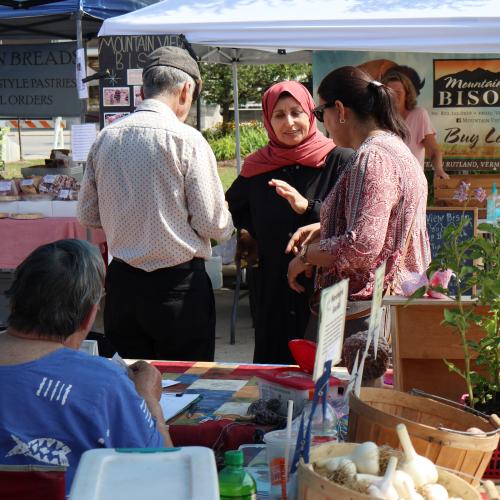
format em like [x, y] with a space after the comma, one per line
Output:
[276, 444]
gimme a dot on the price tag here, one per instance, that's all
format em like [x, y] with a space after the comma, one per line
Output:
[376, 311]
[27, 182]
[331, 326]
[5, 185]
[49, 179]
[63, 194]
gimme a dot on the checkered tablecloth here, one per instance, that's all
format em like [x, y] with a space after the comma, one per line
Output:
[226, 388]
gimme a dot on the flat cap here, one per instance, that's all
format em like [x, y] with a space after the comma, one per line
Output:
[174, 57]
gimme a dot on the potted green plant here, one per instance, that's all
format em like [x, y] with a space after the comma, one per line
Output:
[482, 277]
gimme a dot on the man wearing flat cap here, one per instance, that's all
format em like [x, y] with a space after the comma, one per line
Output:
[151, 183]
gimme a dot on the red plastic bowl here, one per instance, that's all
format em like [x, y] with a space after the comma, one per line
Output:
[304, 353]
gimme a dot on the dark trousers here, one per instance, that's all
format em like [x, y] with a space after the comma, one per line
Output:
[164, 314]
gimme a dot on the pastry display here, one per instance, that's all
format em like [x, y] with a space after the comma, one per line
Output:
[33, 215]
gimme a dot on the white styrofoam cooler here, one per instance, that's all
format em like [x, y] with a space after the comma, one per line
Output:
[55, 208]
[66, 208]
[41, 206]
[213, 266]
[187, 473]
[9, 207]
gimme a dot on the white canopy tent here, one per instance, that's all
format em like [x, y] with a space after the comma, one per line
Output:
[470, 26]
[284, 31]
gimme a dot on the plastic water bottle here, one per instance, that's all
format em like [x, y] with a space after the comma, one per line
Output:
[322, 430]
[235, 483]
[491, 205]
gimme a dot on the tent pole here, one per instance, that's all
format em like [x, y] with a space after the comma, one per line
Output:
[236, 115]
[21, 156]
[234, 311]
[79, 45]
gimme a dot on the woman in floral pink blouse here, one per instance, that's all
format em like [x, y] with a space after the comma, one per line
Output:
[379, 199]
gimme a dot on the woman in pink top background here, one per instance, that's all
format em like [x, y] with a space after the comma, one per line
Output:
[422, 135]
[379, 200]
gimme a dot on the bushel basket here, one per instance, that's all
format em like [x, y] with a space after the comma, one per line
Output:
[436, 429]
[313, 486]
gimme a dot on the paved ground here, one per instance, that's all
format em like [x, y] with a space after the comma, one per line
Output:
[242, 350]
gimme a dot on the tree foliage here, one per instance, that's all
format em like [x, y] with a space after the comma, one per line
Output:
[252, 81]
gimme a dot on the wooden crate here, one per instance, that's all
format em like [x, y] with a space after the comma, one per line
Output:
[444, 189]
[420, 343]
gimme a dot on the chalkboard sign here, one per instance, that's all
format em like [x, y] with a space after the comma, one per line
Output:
[38, 81]
[439, 218]
[123, 57]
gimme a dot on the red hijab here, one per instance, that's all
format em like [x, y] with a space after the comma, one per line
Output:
[311, 152]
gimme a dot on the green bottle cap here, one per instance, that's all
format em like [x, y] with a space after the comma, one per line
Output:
[233, 457]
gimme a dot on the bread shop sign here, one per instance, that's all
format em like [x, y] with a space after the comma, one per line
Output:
[38, 81]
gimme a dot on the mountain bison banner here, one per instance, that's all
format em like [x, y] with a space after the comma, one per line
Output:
[460, 93]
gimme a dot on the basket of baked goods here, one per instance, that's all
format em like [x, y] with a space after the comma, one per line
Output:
[352, 471]
[9, 190]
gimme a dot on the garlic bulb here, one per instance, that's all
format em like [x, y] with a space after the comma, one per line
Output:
[421, 469]
[411, 492]
[383, 488]
[337, 463]
[491, 489]
[365, 458]
[367, 478]
[402, 482]
[434, 492]
[475, 430]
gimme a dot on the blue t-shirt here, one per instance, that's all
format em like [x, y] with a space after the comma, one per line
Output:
[65, 403]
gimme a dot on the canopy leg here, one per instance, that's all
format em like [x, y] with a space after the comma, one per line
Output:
[236, 115]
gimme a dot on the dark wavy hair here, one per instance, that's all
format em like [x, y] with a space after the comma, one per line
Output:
[367, 98]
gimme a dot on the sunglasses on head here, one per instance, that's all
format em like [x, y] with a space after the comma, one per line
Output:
[319, 111]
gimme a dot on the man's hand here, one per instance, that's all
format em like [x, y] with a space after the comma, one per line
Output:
[303, 236]
[147, 380]
[296, 200]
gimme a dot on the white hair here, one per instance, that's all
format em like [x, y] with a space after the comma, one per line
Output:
[160, 80]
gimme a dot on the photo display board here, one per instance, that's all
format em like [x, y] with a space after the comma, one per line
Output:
[460, 92]
[123, 57]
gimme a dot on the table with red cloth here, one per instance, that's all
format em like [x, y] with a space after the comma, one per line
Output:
[18, 238]
[222, 386]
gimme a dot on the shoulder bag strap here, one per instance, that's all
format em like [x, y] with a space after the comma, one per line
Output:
[409, 236]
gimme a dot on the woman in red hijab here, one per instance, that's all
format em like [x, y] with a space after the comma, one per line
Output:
[280, 188]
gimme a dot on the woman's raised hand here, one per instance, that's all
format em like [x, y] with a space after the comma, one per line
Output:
[296, 200]
[303, 236]
[441, 174]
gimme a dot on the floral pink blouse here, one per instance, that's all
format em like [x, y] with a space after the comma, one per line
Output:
[368, 214]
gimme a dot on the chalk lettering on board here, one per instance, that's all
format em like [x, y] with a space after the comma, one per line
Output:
[121, 53]
[438, 219]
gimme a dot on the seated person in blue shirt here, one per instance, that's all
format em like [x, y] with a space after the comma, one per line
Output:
[57, 402]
